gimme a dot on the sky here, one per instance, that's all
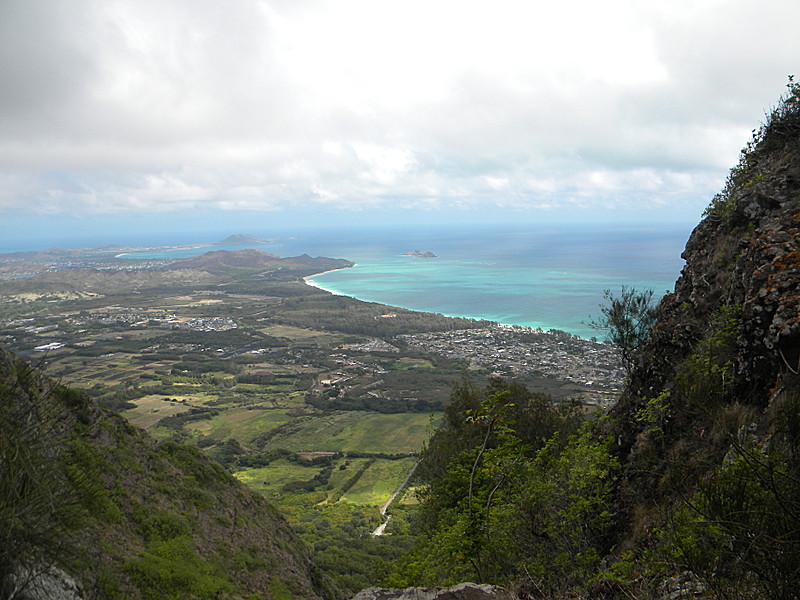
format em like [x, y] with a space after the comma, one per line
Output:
[194, 114]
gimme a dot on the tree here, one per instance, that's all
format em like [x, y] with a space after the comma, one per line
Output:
[479, 474]
[627, 320]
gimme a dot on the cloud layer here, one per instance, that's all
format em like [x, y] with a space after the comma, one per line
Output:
[132, 106]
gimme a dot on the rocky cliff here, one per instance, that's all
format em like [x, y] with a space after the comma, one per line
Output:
[743, 258]
[720, 368]
[749, 260]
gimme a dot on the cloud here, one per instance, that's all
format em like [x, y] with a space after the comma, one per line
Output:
[150, 105]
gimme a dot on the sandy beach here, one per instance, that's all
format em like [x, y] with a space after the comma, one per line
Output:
[310, 281]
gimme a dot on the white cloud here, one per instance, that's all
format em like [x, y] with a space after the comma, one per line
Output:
[153, 105]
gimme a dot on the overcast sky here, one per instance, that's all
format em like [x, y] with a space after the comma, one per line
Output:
[363, 110]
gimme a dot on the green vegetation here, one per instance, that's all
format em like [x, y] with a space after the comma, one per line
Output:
[739, 531]
[333, 503]
[511, 492]
[171, 569]
[85, 492]
[343, 547]
[781, 126]
[378, 481]
[506, 505]
[627, 320]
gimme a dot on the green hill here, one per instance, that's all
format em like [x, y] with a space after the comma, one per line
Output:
[126, 517]
[222, 261]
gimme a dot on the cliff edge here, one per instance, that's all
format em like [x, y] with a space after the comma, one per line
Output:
[720, 368]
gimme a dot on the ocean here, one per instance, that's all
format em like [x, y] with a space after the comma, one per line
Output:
[545, 276]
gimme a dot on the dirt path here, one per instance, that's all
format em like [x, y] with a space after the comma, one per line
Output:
[382, 527]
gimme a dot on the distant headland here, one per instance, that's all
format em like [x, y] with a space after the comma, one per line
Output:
[242, 238]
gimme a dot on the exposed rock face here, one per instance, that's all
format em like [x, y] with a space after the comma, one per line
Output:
[462, 591]
[723, 359]
[745, 258]
[50, 584]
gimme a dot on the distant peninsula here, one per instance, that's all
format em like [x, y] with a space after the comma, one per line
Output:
[418, 254]
[242, 238]
[220, 261]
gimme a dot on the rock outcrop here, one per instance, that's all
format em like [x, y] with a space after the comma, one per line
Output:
[462, 591]
[724, 356]
[744, 257]
[48, 584]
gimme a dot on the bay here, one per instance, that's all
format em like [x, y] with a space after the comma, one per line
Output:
[540, 276]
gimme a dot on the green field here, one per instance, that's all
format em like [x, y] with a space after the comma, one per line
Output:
[240, 424]
[269, 480]
[379, 482]
[356, 431]
[372, 488]
[151, 409]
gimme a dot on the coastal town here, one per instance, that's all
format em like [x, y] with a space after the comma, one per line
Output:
[512, 351]
[502, 351]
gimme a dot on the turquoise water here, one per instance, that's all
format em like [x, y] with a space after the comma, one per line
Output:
[545, 276]
[534, 278]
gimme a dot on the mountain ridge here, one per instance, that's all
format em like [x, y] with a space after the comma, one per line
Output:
[707, 426]
[137, 519]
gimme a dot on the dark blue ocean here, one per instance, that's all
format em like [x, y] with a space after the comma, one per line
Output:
[548, 276]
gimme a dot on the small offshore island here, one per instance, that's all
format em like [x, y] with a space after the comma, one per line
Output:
[418, 254]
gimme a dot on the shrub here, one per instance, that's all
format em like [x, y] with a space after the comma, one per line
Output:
[172, 570]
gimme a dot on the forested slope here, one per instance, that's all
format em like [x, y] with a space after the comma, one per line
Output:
[83, 491]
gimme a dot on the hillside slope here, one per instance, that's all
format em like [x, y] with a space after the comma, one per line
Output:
[732, 325]
[221, 261]
[126, 517]
[708, 428]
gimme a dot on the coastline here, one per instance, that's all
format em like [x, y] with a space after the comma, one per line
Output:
[503, 320]
[495, 325]
[527, 277]
[309, 280]
[523, 276]
[132, 252]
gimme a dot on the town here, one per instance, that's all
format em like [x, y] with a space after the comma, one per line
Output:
[513, 351]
